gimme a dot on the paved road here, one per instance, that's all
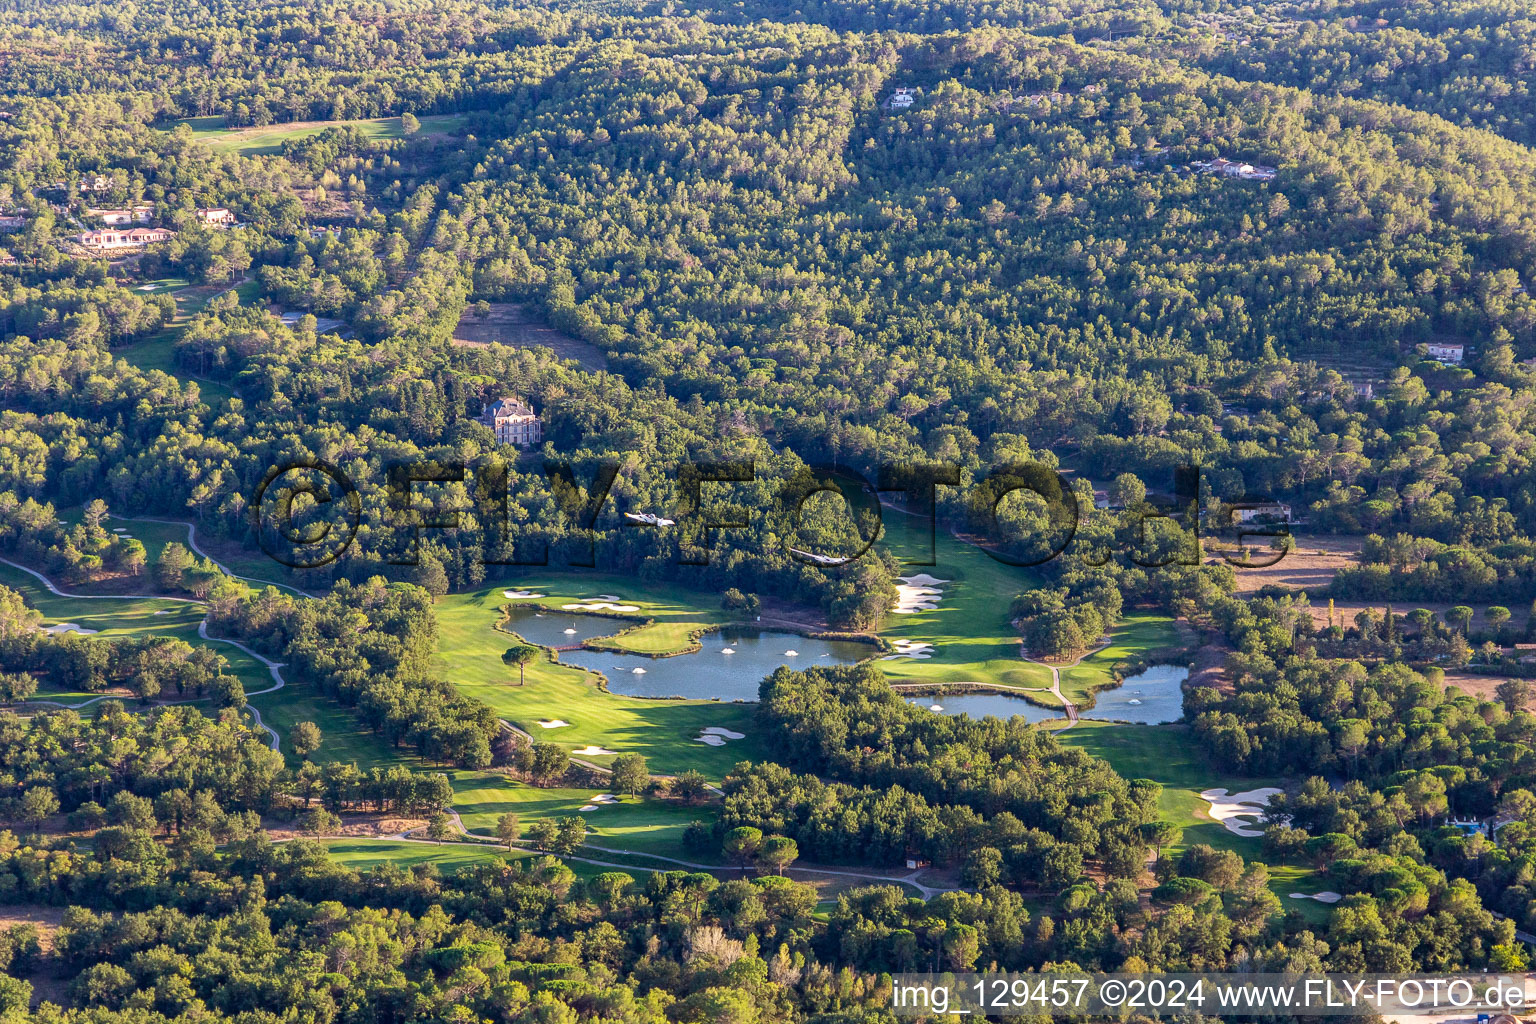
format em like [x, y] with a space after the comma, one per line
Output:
[202, 630]
[910, 879]
[1069, 707]
[192, 543]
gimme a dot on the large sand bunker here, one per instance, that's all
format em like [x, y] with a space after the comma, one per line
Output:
[600, 606]
[920, 593]
[715, 736]
[915, 649]
[69, 627]
[1240, 812]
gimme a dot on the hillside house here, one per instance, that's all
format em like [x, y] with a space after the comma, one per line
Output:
[131, 215]
[1451, 352]
[1233, 169]
[513, 422]
[902, 98]
[133, 238]
[216, 216]
[12, 221]
[1266, 510]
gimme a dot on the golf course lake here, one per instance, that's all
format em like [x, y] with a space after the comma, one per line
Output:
[1151, 697]
[730, 666]
[980, 705]
[559, 629]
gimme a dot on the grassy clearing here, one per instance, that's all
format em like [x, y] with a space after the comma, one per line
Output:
[1136, 636]
[1167, 754]
[268, 140]
[634, 823]
[469, 655]
[158, 351]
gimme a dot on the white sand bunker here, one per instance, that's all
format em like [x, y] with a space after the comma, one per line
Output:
[163, 611]
[1234, 810]
[598, 800]
[519, 595]
[915, 649]
[918, 593]
[600, 606]
[714, 736]
[554, 723]
[610, 597]
[593, 750]
[69, 627]
[1326, 896]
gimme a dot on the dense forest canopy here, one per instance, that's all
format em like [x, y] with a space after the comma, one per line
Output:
[1286, 245]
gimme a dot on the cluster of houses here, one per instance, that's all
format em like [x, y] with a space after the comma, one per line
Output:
[115, 236]
[1234, 169]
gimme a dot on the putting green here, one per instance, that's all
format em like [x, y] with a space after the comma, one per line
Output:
[469, 655]
[1137, 636]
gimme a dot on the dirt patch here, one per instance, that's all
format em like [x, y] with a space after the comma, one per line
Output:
[1310, 567]
[1481, 686]
[1209, 668]
[515, 326]
[1344, 612]
[47, 919]
[354, 826]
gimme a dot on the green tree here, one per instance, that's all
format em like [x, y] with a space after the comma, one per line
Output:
[305, 739]
[508, 828]
[778, 852]
[521, 656]
[741, 844]
[630, 774]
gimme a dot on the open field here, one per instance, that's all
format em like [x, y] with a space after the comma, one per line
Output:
[515, 326]
[1166, 754]
[268, 140]
[1310, 567]
[970, 629]
[470, 649]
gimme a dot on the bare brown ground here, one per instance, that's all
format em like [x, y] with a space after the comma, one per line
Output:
[1311, 566]
[513, 325]
[1479, 686]
[354, 826]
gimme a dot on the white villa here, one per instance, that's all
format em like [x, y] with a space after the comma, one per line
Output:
[215, 216]
[132, 215]
[1447, 351]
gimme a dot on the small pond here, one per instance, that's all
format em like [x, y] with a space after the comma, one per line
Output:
[712, 673]
[1150, 697]
[557, 629]
[980, 705]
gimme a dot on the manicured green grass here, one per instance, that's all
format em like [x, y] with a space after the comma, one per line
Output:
[1136, 636]
[634, 823]
[268, 140]
[970, 630]
[1168, 754]
[469, 655]
[366, 853]
[113, 616]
